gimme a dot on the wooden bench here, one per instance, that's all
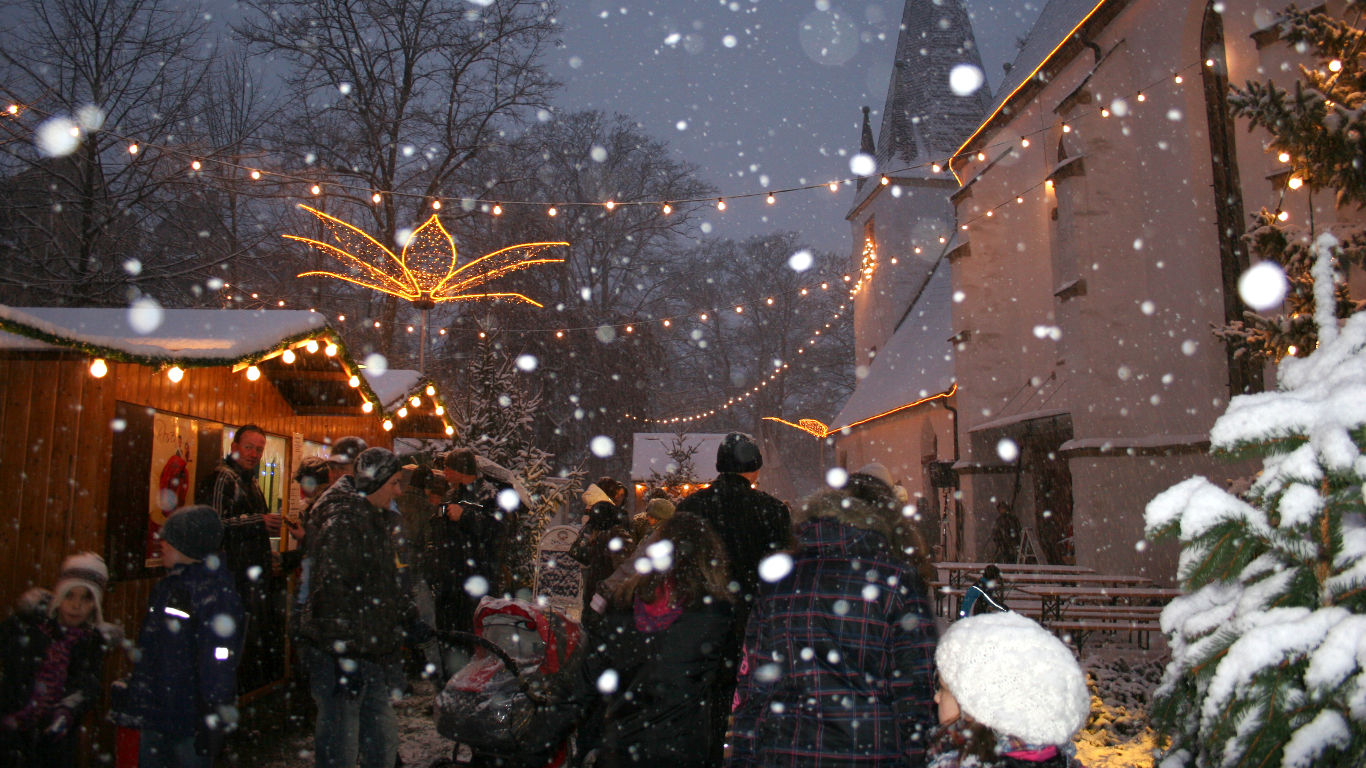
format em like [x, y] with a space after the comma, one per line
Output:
[1079, 630]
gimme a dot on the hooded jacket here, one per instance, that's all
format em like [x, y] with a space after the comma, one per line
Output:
[839, 654]
[356, 606]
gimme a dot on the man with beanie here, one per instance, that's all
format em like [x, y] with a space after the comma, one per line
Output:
[232, 490]
[752, 525]
[182, 691]
[489, 523]
[353, 623]
[51, 653]
[341, 459]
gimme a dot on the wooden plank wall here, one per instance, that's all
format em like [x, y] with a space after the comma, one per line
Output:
[55, 458]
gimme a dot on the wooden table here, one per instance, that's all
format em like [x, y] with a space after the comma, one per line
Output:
[958, 572]
[1052, 597]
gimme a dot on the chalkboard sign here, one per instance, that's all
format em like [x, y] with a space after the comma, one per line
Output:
[559, 577]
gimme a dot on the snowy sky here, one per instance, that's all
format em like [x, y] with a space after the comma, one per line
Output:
[761, 94]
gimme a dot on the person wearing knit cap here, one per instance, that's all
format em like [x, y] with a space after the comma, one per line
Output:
[645, 522]
[753, 525]
[341, 459]
[181, 694]
[354, 622]
[1010, 694]
[52, 651]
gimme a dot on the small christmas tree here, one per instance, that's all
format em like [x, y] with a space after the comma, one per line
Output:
[680, 471]
[1268, 647]
[495, 422]
[1319, 131]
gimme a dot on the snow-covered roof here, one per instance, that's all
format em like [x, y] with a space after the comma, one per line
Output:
[917, 361]
[195, 336]
[1055, 23]
[393, 384]
[650, 451]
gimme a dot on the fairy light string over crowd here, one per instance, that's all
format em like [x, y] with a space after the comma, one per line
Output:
[495, 207]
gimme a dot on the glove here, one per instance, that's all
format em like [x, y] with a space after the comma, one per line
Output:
[347, 672]
[61, 722]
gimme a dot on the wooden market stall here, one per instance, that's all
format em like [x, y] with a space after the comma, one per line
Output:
[110, 417]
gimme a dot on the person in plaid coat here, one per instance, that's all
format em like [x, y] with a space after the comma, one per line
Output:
[838, 666]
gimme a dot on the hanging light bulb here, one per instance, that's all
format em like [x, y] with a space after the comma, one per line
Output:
[311, 346]
[175, 374]
[450, 430]
[720, 204]
[388, 425]
[438, 410]
[255, 175]
[403, 412]
[287, 356]
[133, 148]
[376, 198]
[315, 189]
[1295, 182]
[253, 373]
[552, 212]
[196, 165]
[353, 382]
[834, 186]
[436, 205]
[367, 406]
[98, 368]
[415, 401]
[668, 209]
[330, 350]
[771, 199]
[497, 209]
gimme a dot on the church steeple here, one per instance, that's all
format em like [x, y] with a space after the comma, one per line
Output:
[924, 120]
[867, 145]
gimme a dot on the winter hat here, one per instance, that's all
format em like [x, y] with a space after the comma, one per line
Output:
[593, 494]
[346, 449]
[312, 474]
[738, 453]
[660, 509]
[86, 569]
[461, 460]
[878, 472]
[1013, 676]
[374, 467]
[194, 531]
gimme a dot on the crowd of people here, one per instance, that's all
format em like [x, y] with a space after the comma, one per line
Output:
[722, 628]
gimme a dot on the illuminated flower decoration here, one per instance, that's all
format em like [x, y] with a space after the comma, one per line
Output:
[812, 426]
[426, 272]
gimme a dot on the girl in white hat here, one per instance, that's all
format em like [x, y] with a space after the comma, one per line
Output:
[1010, 695]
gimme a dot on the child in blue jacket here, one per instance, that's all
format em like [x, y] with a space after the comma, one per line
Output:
[182, 692]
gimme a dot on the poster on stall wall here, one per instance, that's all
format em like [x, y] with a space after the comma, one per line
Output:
[174, 444]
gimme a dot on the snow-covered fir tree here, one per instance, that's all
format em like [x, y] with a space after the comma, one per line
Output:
[495, 421]
[1319, 132]
[1268, 646]
[681, 469]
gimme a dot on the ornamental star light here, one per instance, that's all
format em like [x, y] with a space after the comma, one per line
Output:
[425, 273]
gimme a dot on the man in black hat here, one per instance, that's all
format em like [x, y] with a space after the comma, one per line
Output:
[341, 459]
[752, 525]
[356, 615]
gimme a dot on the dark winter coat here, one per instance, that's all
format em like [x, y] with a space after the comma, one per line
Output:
[594, 547]
[838, 665]
[751, 523]
[660, 711]
[355, 605]
[234, 492]
[457, 550]
[495, 531]
[190, 646]
[24, 641]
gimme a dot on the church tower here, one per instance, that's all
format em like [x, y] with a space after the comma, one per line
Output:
[923, 121]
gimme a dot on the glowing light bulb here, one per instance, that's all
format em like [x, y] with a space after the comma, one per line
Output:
[1104, 112]
[175, 374]
[196, 165]
[1024, 143]
[253, 373]
[415, 401]
[315, 189]
[133, 149]
[1284, 157]
[431, 391]
[1179, 80]
[403, 412]
[886, 181]
[98, 368]
[439, 410]
[610, 205]
[497, 210]
[771, 199]
[311, 346]
[255, 175]
[330, 350]
[354, 381]
[1066, 128]
[1283, 216]
[559, 334]
[668, 209]
[367, 406]
[388, 425]
[936, 168]
[720, 204]
[436, 205]
[1141, 97]
[1335, 66]
[376, 198]
[552, 212]
[1209, 62]
[450, 430]
[834, 186]
[1295, 182]
[287, 356]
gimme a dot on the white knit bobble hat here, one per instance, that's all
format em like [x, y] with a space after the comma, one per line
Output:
[1013, 676]
[86, 569]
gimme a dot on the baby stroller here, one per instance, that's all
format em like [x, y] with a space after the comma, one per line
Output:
[485, 707]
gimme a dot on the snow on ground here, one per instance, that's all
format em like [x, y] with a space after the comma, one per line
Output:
[1117, 736]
